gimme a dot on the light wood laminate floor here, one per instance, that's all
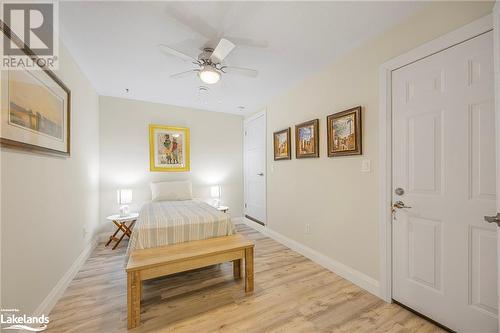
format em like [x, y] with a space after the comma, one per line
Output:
[292, 294]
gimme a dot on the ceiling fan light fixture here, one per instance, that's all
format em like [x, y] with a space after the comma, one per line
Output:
[209, 75]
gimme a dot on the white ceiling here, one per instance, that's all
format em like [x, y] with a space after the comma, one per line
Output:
[115, 43]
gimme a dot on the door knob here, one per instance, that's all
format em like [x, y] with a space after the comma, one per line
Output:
[399, 205]
[493, 219]
[260, 174]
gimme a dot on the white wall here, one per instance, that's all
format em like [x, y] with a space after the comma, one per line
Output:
[216, 152]
[47, 202]
[332, 194]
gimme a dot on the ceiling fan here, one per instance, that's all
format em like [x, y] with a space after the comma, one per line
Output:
[210, 66]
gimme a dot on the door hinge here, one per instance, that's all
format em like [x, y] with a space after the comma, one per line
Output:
[245, 205]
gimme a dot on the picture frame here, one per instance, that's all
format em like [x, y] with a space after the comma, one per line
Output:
[169, 148]
[282, 144]
[344, 133]
[37, 124]
[307, 139]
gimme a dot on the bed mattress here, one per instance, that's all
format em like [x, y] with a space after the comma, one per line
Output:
[163, 223]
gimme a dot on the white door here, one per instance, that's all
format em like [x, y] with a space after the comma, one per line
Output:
[444, 254]
[255, 168]
[496, 53]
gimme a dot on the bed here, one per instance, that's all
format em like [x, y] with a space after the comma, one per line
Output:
[162, 223]
[176, 233]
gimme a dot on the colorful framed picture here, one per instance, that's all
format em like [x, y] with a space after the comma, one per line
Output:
[344, 133]
[168, 148]
[282, 145]
[35, 109]
[307, 139]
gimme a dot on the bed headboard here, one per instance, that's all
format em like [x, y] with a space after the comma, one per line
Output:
[172, 191]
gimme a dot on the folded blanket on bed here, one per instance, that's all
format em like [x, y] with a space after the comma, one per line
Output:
[163, 223]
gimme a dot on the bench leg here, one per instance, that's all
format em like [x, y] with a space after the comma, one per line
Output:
[133, 299]
[249, 269]
[237, 269]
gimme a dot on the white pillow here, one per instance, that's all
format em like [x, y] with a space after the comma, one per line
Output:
[172, 191]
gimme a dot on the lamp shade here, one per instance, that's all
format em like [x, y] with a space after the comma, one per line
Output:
[124, 197]
[209, 75]
[215, 191]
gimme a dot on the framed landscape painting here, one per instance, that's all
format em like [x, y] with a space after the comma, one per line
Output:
[307, 139]
[282, 146]
[35, 111]
[168, 148]
[344, 133]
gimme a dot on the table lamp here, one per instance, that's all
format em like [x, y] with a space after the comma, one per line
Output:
[124, 198]
[215, 193]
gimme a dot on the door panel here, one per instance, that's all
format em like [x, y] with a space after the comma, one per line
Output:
[483, 242]
[444, 255]
[482, 151]
[424, 149]
[425, 263]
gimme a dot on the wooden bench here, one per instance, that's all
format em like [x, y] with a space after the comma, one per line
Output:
[155, 262]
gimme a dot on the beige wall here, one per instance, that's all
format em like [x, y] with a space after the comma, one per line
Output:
[332, 194]
[216, 152]
[48, 202]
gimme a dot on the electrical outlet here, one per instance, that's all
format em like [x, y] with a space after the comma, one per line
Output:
[365, 165]
[308, 229]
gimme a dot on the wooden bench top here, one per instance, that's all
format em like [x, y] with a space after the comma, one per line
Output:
[147, 258]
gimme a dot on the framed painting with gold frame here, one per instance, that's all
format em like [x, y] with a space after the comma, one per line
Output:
[168, 148]
[344, 133]
[307, 139]
[282, 145]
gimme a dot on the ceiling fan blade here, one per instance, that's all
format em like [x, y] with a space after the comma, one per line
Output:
[240, 71]
[241, 41]
[183, 74]
[173, 52]
[221, 51]
[192, 22]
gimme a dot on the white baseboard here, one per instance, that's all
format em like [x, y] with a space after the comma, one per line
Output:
[55, 294]
[103, 237]
[237, 220]
[360, 279]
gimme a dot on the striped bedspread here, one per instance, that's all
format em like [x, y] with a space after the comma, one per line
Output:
[163, 223]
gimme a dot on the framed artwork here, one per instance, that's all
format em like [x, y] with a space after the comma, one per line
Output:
[344, 133]
[307, 139]
[168, 148]
[282, 145]
[35, 109]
